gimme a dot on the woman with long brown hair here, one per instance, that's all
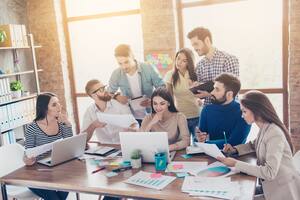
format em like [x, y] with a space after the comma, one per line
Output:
[178, 81]
[273, 148]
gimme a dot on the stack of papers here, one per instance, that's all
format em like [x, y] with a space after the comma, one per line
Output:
[177, 167]
[212, 187]
[216, 169]
[209, 149]
[150, 180]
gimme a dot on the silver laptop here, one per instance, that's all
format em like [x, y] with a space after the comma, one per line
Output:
[148, 142]
[66, 149]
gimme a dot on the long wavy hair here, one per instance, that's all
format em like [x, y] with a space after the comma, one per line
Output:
[42, 103]
[262, 108]
[190, 66]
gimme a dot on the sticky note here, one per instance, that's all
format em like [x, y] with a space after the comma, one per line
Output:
[186, 156]
[155, 175]
[114, 163]
[111, 174]
[177, 166]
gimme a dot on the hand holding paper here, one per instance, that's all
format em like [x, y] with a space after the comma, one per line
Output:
[124, 121]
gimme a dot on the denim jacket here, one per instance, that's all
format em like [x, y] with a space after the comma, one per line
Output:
[148, 78]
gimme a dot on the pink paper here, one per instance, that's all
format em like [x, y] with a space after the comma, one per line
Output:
[177, 166]
[155, 175]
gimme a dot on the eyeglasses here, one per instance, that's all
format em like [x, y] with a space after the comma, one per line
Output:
[100, 89]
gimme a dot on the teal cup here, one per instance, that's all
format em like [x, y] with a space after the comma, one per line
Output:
[160, 161]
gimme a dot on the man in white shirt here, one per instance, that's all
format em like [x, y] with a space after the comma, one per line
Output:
[103, 103]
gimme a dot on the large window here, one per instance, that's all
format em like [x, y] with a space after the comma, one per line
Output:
[253, 31]
[95, 28]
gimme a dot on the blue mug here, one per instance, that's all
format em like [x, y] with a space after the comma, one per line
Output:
[160, 161]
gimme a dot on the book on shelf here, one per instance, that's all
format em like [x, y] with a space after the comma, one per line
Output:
[16, 35]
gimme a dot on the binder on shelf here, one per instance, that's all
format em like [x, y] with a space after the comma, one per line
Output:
[10, 40]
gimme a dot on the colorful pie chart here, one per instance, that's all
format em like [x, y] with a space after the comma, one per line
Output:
[214, 171]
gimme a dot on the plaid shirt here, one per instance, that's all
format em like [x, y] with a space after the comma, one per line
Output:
[209, 69]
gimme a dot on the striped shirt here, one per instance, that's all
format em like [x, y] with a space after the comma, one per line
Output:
[35, 136]
[209, 69]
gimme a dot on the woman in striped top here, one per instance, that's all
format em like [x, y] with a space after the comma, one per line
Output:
[48, 126]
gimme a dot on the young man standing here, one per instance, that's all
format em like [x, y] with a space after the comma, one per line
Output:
[214, 61]
[221, 122]
[134, 79]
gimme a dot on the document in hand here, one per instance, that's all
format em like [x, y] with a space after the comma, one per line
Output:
[135, 103]
[121, 120]
[209, 149]
[36, 151]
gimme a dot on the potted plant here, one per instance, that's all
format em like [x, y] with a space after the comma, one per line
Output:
[2, 36]
[136, 159]
[16, 89]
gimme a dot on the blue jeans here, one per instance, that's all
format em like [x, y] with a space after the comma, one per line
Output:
[50, 194]
[192, 123]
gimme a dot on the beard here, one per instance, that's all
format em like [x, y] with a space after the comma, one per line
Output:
[220, 101]
[106, 97]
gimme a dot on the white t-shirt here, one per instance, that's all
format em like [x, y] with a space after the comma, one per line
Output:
[135, 86]
[110, 133]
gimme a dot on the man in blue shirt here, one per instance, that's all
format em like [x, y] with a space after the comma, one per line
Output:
[224, 115]
[136, 81]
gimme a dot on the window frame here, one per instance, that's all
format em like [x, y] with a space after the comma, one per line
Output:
[74, 94]
[285, 38]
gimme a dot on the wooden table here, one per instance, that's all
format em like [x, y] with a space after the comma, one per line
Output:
[77, 176]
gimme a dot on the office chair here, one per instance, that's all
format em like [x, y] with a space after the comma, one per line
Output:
[296, 160]
[15, 152]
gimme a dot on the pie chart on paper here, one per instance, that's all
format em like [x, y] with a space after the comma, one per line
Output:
[214, 171]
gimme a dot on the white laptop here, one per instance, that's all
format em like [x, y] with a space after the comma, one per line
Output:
[148, 142]
[66, 149]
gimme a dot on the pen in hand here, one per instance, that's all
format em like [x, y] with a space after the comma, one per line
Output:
[225, 139]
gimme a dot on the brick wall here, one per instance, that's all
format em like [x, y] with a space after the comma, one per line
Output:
[46, 24]
[294, 71]
[159, 28]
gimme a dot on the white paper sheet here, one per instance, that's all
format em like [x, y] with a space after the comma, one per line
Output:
[145, 179]
[36, 151]
[213, 187]
[209, 149]
[216, 169]
[124, 121]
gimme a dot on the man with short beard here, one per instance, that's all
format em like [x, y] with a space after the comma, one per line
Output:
[224, 115]
[214, 61]
[103, 103]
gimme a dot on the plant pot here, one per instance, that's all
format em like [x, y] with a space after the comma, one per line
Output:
[136, 163]
[16, 94]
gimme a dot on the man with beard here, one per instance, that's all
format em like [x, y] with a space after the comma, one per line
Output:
[214, 61]
[134, 79]
[224, 115]
[103, 103]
